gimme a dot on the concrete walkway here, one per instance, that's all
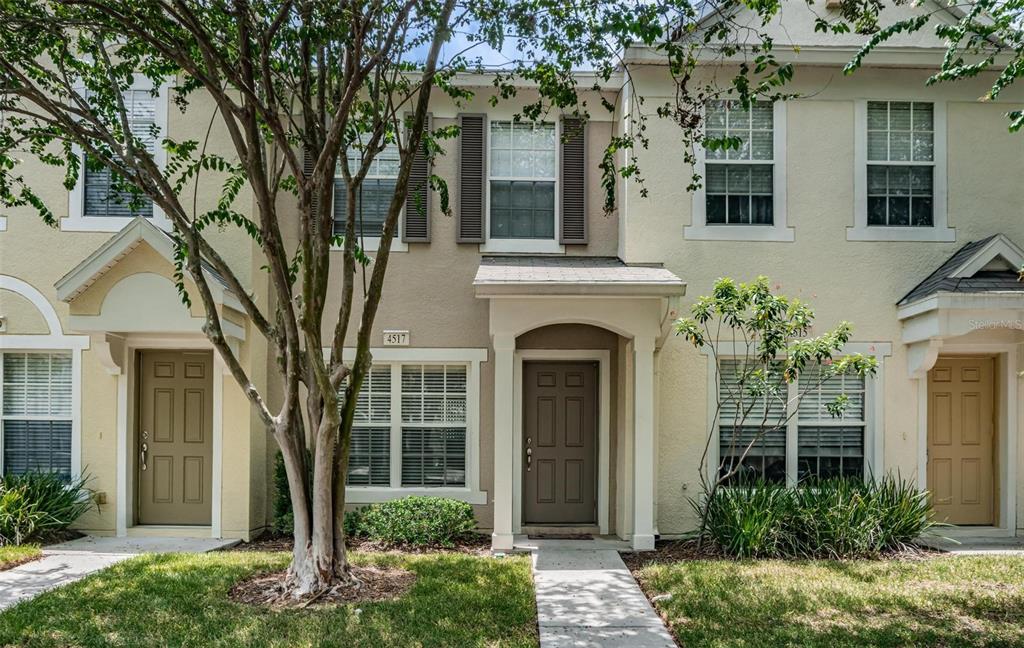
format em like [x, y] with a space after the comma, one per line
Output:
[587, 598]
[69, 561]
[977, 545]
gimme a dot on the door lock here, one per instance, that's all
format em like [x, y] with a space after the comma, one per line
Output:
[529, 454]
[142, 453]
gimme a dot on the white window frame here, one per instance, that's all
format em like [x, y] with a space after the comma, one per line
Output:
[524, 246]
[395, 358]
[825, 420]
[69, 417]
[940, 231]
[874, 413]
[77, 220]
[372, 243]
[700, 230]
[55, 341]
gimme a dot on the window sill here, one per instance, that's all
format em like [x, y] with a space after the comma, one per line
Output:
[372, 244]
[371, 494]
[106, 223]
[879, 233]
[778, 232]
[522, 246]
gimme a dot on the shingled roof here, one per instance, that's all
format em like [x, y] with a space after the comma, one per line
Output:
[997, 277]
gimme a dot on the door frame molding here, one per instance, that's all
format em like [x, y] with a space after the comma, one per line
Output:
[603, 358]
[1006, 444]
[127, 408]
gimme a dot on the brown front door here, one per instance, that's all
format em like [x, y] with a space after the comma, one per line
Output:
[174, 449]
[560, 443]
[961, 427]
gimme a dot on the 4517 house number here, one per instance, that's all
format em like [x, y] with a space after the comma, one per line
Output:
[396, 338]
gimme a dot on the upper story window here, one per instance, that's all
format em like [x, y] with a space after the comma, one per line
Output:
[900, 172]
[35, 412]
[373, 198]
[103, 198]
[901, 160]
[523, 172]
[742, 196]
[739, 181]
[98, 203]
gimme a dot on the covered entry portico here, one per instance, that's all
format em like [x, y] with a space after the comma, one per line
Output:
[634, 302]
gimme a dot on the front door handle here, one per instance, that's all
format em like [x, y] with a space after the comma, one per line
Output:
[142, 455]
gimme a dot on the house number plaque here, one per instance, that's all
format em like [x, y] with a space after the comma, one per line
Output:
[396, 338]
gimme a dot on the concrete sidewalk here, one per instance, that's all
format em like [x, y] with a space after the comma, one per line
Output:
[70, 561]
[588, 598]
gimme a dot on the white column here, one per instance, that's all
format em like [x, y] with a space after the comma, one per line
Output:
[504, 351]
[643, 445]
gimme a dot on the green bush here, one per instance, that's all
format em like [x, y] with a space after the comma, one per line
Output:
[36, 505]
[838, 518]
[418, 521]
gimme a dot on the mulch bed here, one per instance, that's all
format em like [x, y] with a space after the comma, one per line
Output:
[476, 545]
[373, 584]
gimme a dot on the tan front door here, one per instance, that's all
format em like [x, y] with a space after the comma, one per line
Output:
[560, 443]
[961, 431]
[174, 449]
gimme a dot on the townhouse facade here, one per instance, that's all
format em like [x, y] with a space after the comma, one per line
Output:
[524, 359]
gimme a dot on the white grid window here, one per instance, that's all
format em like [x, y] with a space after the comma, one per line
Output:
[748, 414]
[375, 191]
[416, 413]
[901, 163]
[830, 446]
[101, 197]
[739, 182]
[523, 172]
[35, 412]
[369, 461]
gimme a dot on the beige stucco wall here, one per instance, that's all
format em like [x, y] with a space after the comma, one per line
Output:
[843, 280]
[40, 256]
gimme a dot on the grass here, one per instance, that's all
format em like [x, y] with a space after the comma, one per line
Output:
[944, 601]
[14, 555]
[181, 600]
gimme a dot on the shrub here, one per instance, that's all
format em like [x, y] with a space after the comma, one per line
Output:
[839, 518]
[37, 505]
[418, 521]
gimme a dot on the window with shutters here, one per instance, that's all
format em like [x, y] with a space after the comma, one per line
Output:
[742, 193]
[900, 172]
[100, 202]
[369, 461]
[523, 174]
[796, 438]
[373, 197]
[415, 426]
[35, 412]
[829, 446]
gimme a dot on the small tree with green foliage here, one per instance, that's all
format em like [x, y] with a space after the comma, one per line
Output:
[767, 337]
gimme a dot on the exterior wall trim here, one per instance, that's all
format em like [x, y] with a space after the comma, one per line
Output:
[603, 358]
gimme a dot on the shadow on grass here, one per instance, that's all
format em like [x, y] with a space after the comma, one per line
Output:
[181, 600]
[854, 603]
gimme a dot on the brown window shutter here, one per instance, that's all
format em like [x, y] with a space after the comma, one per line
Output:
[472, 177]
[573, 182]
[416, 225]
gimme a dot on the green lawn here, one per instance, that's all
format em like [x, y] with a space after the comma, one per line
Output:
[942, 601]
[12, 555]
[181, 600]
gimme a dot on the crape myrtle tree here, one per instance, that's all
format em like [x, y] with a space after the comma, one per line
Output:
[337, 81]
[761, 342]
